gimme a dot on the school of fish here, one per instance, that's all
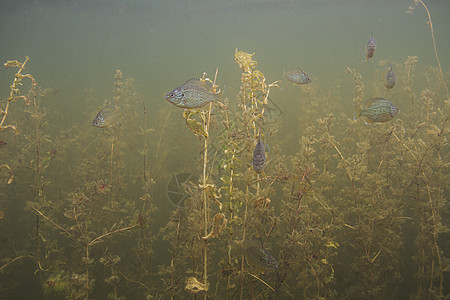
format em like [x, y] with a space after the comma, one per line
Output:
[195, 93]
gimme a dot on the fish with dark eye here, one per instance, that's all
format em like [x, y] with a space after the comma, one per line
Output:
[370, 48]
[107, 117]
[377, 110]
[390, 78]
[297, 76]
[259, 156]
[194, 93]
[256, 255]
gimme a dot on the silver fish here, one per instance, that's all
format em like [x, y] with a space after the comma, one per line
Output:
[390, 78]
[192, 94]
[256, 255]
[259, 156]
[377, 110]
[297, 76]
[107, 117]
[370, 48]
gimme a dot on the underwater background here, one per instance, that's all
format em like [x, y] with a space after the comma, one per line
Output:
[164, 203]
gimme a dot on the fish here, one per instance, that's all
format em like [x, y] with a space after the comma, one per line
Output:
[390, 78]
[259, 156]
[256, 256]
[192, 94]
[297, 76]
[107, 117]
[377, 110]
[56, 285]
[370, 48]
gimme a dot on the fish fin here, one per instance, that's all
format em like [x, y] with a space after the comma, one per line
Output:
[267, 146]
[367, 102]
[356, 112]
[196, 82]
[193, 80]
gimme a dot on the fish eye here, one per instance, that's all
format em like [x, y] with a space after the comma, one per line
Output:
[182, 95]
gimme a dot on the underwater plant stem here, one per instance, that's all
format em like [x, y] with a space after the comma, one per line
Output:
[145, 149]
[11, 173]
[16, 81]
[162, 134]
[205, 198]
[434, 216]
[38, 191]
[135, 281]
[20, 257]
[48, 219]
[243, 238]
[434, 45]
[87, 272]
[87, 251]
[111, 173]
[110, 233]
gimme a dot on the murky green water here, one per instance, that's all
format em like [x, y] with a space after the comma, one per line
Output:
[348, 210]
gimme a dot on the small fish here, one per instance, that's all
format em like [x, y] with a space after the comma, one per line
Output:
[256, 255]
[377, 110]
[192, 94]
[297, 76]
[370, 49]
[390, 78]
[259, 156]
[56, 285]
[107, 117]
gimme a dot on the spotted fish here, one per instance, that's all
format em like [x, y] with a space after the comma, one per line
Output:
[377, 110]
[390, 78]
[192, 94]
[256, 256]
[259, 156]
[370, 48]
[297, 76]
[107, 117]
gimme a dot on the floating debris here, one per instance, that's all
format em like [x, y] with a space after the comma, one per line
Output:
[194, 286]
[377, 110]
[297, 76]
[219, 224]
[262, 202]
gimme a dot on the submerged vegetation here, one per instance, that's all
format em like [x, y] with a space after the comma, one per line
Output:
[357, 211]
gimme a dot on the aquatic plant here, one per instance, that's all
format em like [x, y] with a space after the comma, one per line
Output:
[350, 211]
[15, 95]
[430, 23]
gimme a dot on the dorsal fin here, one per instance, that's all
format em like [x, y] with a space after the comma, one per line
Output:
[368, 102]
